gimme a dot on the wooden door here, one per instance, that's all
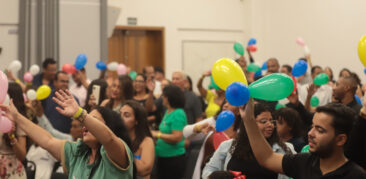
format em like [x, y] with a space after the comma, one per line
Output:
[137, 47]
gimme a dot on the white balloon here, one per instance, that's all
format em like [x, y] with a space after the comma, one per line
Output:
[31, 94]
[15, 66]
[7, 100]
[34, 69]
[112, 66]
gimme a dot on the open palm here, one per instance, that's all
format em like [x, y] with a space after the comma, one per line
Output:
[67, 102]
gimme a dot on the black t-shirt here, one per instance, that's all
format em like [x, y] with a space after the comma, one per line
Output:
[306, 166]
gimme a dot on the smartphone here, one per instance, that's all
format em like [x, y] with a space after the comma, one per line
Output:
[96, 93]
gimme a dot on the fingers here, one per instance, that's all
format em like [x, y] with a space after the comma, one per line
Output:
[56, 100]
[59, 110]
[62, 92]
[59, 96]
[69, 93]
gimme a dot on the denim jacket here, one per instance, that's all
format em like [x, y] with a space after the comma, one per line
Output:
[222, 156]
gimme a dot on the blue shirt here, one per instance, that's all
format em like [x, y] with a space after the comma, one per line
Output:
[58, 121]
[37, 81]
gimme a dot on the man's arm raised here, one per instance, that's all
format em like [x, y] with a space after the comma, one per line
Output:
[262, 150]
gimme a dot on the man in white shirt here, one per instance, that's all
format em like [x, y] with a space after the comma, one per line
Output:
[324, 92]
[80, 87]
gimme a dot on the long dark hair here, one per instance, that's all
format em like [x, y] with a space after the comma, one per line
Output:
[15, 93]
[102, 95]
[240, 147]
[126, 89]
[114, 122]
[142, 128]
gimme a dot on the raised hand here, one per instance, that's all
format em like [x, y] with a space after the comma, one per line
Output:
[150, 85]
[67, 102]
[10, 111]
[91, 101]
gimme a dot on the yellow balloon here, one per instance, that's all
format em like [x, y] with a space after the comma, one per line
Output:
[362, 50]
[43, 92]
[226, 71]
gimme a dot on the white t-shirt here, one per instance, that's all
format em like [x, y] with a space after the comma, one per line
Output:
[324, 93]
[80, 92]
[43, 160]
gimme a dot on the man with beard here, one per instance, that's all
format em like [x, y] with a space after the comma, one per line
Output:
[344, 92]
[332, 124]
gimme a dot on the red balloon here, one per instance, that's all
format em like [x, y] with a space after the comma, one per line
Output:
[68, 68]
[252, 48]
[295, 84]
[218, 138]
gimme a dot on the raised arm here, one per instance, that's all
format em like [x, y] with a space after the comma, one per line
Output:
[262, 150]
[201, 89]
[36, 133]
[112, 144]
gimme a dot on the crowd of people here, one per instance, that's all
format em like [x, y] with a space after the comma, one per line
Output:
[147, 126]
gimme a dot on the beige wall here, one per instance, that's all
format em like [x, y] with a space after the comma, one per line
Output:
[211, 21]
[331, 29]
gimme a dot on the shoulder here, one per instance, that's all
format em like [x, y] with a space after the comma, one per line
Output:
[225, 146]
[356, 171]
[148, 141]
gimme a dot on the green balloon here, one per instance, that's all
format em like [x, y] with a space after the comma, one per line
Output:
[133, 75]
[239, 48]
[278, 106]
[254, 68]
[321, 79]
[314, 101]
[210, 86]
[305, 149]
[273, 87]
[214, 85]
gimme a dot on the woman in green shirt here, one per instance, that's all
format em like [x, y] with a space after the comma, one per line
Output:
[100, 154]
[170, 141]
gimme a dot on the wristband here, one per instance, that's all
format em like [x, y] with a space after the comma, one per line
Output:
[159, 135]
[78, 113]
[12, 136]
[198, 127]
[17, 81]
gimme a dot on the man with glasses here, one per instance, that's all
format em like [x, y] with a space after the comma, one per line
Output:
[48, 74]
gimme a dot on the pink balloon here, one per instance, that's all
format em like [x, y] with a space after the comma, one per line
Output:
[121, 69]
[218, 138]
[252, 48]
[5, 124]
[68, 68]
[3, 87]
[300, 41]
[28, 77]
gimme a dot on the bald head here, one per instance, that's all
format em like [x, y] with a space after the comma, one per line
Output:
[351, 83]
[345, 88]
[273, 66]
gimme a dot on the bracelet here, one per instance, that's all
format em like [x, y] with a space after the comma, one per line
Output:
[17, 81]
[11, 136]
[198, 127]
[82, 117]
[159, 135]
[78, 113]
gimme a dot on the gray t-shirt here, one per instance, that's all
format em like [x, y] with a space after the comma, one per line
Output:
[192, 107]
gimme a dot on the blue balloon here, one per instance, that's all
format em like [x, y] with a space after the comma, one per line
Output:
[252, 41]
[80, 61]
[224, 120]
[358, 100]
[364, 70]
[264, 66]
[258, 74]
[299, 68]
[101, 65]
[237, 94]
